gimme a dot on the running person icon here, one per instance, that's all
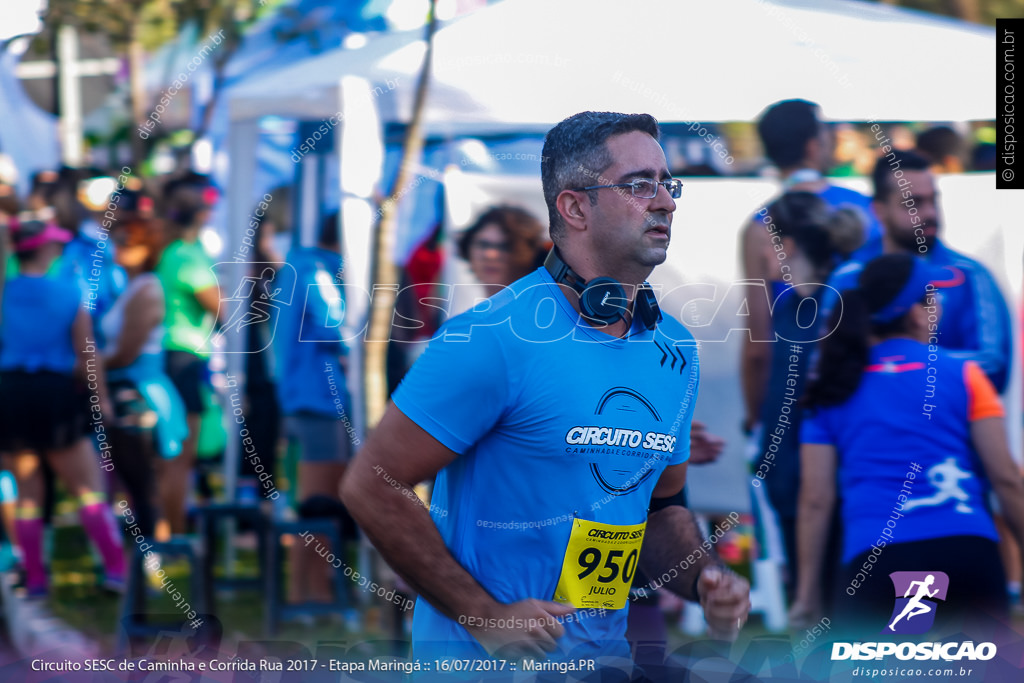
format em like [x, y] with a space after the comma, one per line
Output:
[946, 478]
[258, 303]
[915, 606]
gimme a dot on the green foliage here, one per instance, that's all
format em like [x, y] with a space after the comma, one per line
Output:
[155, 22]
[984, 11]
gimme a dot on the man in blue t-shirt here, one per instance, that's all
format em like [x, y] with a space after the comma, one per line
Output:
[975, 322]
[556, 416]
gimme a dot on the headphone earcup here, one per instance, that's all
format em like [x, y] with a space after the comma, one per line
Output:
[604, 300]
[647, 307]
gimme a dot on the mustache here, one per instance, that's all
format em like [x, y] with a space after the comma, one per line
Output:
[930, 224]
[653, 221]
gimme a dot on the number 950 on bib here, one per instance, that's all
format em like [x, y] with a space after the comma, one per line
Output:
[599, 564]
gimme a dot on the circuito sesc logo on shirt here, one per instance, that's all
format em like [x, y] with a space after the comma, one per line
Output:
[599, 440]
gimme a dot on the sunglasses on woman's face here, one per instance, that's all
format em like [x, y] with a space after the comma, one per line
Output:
[486, 245]
[130, 234]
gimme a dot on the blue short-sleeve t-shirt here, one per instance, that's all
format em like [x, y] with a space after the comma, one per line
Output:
[38, 314]
[554, 424]
[910, 414]
[308, 341]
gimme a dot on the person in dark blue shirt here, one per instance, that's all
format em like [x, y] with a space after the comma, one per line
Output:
[976, 325]
[811, 235]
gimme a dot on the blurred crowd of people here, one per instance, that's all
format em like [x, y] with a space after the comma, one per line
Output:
[111, 314]
[111, 303]
[877, 431]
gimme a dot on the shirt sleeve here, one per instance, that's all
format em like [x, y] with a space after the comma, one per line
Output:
[459, 388]
[986, 326]
[815, 429]
[195, 274]
[982, 400]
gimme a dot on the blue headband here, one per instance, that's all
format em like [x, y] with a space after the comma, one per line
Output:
[920, 277]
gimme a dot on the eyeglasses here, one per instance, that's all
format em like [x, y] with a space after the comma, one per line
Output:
[645, 188]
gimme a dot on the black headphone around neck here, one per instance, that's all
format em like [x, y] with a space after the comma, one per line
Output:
[603, 299]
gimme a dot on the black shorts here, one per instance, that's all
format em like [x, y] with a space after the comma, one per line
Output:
[187, 373]
[41, 411]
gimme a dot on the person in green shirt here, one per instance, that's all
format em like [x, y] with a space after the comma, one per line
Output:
[192, 298]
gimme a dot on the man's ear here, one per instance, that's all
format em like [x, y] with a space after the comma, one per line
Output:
[813, 152]
[571, 207]
[919, 317]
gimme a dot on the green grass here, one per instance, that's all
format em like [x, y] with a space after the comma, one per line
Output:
[77, 599]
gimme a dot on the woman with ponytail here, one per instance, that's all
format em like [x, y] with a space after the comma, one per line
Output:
[809, 238]
[909, 439]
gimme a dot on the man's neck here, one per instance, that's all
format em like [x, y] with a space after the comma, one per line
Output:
[189, 234]
[587, 270]
[910, 335]
[588, 267]
[804, 177]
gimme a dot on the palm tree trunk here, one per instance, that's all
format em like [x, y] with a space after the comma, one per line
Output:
[384, 273]
[137, 90]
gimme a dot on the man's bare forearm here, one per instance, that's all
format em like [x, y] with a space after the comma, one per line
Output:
[675, 552]
[399, 526]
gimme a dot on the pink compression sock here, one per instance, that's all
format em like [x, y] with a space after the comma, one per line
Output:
[30, 538]
[98, 521]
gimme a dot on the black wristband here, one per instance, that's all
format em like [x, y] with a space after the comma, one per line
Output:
[668, 501]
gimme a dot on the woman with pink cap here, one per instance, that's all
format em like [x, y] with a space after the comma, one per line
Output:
[46, 343]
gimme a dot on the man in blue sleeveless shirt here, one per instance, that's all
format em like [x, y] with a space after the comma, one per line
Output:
[556, 416]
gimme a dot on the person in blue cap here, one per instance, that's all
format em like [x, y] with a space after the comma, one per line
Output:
[909, 437]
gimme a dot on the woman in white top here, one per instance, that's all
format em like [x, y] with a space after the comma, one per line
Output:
[150, 425]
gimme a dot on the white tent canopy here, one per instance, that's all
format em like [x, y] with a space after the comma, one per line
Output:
[530, 63]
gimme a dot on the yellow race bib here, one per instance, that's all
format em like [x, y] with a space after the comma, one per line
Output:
[599, 565]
